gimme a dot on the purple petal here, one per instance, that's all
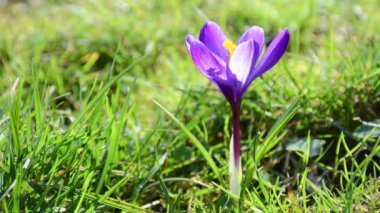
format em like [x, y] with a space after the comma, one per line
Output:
[254, 33]
[211, 66]
[188, 40]
[243, 60]
[213, 37]
[207, 63]
[273, 53]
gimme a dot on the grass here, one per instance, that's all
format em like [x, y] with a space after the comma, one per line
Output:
[103, 110]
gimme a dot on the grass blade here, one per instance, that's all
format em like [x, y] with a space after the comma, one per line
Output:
[84, 190]
[270, 140]
[196, 142]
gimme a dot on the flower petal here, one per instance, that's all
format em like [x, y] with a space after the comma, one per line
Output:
[211, 66]
[208, 64]
[213, 37]
[273, 53]
[243, 60]
[255, 33]
[189, 39]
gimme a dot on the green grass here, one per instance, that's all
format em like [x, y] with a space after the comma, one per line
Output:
[103, 110]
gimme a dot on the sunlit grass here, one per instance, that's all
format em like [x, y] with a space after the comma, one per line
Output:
[102, 109]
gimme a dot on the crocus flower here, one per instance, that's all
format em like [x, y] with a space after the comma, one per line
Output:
[232, 67]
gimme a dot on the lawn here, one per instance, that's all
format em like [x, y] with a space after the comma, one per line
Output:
[103, 110]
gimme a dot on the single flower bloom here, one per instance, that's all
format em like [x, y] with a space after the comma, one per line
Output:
[232, 67]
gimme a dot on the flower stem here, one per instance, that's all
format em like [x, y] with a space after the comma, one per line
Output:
[236, 133]
[235, 161]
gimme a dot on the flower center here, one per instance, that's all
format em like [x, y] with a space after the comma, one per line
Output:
[230, 47]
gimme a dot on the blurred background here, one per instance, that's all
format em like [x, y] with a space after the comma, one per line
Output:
[333, 46]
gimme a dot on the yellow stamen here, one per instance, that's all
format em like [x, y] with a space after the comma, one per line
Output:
[230, 47]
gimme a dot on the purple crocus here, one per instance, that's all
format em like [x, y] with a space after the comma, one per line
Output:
[232, 67]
